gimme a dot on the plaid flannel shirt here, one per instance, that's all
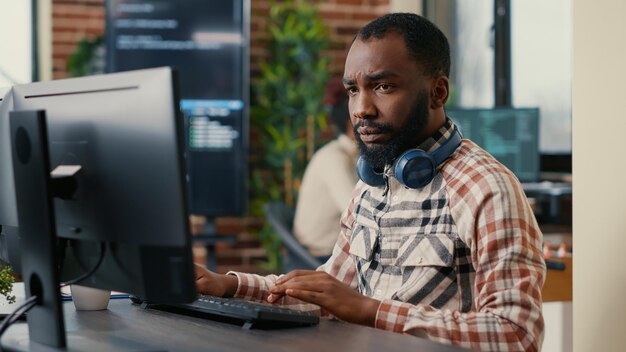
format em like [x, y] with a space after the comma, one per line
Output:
[458, 261]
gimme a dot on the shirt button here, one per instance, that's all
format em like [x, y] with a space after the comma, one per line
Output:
[379, 292]
[395, 197]
[419, 260]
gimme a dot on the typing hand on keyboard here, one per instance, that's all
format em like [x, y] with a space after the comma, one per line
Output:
[213, 284]
[214, 287]
[322, 289]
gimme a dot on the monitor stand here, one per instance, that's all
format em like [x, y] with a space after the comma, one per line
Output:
[36, 187]
[31, 168]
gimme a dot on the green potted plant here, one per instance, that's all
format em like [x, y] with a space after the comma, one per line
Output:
[6, 282]
[87, 59]
[287, 110]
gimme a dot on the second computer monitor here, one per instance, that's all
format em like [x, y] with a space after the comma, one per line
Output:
[8, 212]
[9, 232]
[125, 132]
[511, 135]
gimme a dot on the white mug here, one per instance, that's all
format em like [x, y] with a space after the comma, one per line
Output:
[87, 298]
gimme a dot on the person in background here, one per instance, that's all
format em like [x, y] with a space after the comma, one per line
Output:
[328, 181]
[446, 249]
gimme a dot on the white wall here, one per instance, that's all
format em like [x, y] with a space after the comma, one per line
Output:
[414, 6]
[15, 42]
[558, 330]
[44, 23]
[544, 80]
[599, 122]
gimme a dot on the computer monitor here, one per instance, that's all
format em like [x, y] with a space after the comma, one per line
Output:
[125, 133]
[511, 135]
[9, 235]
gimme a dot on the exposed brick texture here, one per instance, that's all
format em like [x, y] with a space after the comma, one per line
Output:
[73, 20]
[76, 19]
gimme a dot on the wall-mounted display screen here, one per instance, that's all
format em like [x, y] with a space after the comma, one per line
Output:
[206, 41]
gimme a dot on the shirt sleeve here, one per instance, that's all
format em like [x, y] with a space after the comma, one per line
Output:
[505, 241]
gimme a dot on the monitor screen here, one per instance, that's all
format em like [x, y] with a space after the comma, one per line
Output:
[8, 212]
[511, 135]
[9, 235]
[125, 132]
[207, 42]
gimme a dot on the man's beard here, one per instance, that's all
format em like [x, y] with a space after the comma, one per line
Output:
[401, 140]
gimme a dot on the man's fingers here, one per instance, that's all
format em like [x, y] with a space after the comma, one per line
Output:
[304, 280]
[300, 282]
[305, 295]
[273, 297]
[290, 275]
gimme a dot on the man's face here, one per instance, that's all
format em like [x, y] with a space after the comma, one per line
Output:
[389, 98]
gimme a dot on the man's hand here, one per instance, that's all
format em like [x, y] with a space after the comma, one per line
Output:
[210, 283]
[320, 288]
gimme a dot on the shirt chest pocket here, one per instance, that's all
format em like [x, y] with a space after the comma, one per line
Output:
[426, 250]
[426, 264]
[416, 250]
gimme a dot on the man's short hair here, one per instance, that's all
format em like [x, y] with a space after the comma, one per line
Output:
[424, 41]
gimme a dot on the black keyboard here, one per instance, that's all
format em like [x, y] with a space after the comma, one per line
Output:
[250, 314]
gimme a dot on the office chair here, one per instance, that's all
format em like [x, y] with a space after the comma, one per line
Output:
[280, 219]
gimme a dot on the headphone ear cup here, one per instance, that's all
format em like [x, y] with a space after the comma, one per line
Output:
[414, 169]
[367, 174]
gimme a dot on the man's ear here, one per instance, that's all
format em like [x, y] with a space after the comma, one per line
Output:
[440, 90]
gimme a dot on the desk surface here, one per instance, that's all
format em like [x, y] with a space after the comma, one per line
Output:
[127, 327]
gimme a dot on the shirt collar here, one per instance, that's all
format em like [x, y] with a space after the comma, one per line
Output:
[433, 142]
[438, 138]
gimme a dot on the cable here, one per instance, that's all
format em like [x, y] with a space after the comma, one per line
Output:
[17, 313]
[90, 272]
[23, 311]
[33, 300]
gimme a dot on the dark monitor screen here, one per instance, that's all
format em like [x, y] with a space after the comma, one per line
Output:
[8, 212]
[207, 42]
[511, 135]
[9, 235]
[125, 132]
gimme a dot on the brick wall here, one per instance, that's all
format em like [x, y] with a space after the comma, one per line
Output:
[73, 20]
[343, 18]
[76, 19]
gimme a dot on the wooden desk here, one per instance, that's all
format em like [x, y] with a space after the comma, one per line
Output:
[126, 327]
[558, 285]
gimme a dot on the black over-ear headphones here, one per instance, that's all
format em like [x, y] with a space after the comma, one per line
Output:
[415, 168]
